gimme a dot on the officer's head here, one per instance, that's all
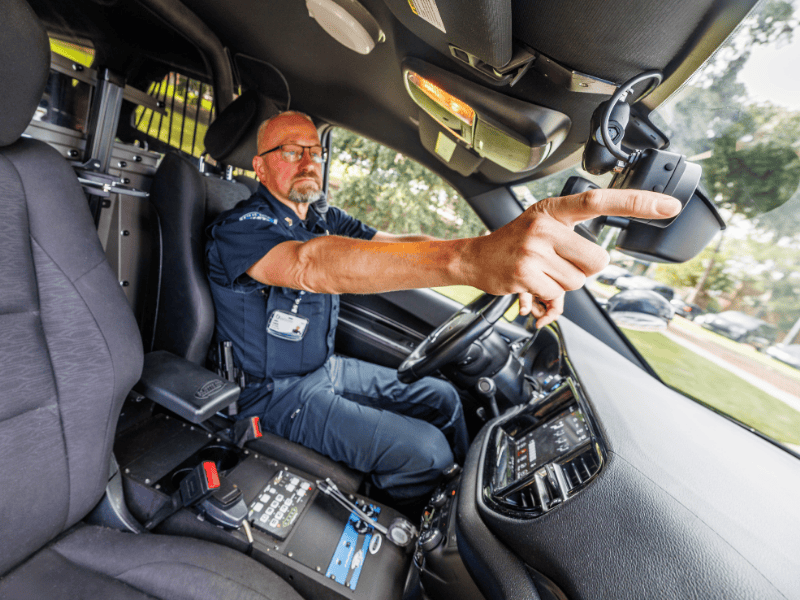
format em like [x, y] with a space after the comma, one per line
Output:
[290, 157]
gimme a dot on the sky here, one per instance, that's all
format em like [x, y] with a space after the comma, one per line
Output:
[773, 73]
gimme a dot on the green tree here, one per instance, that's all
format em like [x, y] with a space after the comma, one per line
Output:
[745, 149]
[714, 100]
[392, 193]
[752, 178]
[688, 274]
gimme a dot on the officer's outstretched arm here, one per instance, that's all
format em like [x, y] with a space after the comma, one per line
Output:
[383, 236]
[537, 255]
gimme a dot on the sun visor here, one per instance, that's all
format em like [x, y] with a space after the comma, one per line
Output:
[514, 134]
[481, 28]
[232, 137]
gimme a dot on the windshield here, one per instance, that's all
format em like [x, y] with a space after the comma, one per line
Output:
[739, 118]
[739, 318]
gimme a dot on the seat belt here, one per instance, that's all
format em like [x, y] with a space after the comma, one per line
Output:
[215, 497]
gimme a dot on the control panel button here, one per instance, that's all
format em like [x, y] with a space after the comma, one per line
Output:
[290, 494]
[439, 499]
[430, 539]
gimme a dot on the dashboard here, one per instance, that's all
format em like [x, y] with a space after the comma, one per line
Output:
[676, 501]
[542, 454]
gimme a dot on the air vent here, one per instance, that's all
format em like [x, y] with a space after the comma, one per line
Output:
[524, 499]
[582, 468]
[547, 488]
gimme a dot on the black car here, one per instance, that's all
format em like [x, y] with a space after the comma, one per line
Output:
[591, 475]
[742, 328]
[686, 309]
[640, 309]
[638, 282]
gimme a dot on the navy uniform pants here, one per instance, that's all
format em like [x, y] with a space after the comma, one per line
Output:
[359, 414]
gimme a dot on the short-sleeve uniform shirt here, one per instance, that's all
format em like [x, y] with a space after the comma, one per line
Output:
[238, 238]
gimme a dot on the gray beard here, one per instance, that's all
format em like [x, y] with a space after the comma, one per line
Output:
[303, 197]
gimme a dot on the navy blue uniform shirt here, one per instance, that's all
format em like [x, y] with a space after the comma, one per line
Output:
[238, 238]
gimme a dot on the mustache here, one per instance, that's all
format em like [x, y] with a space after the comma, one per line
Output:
[308, 174]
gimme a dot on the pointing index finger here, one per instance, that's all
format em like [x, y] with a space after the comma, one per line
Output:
[615, 203]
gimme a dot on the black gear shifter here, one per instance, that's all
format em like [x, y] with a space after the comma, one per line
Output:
[486, 389]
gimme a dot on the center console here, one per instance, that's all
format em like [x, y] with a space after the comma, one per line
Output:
[323, 549]
[328, 543]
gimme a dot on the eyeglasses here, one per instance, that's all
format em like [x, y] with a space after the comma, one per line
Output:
[293, 153]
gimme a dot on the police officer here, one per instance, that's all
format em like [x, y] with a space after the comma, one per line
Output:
[276, 267]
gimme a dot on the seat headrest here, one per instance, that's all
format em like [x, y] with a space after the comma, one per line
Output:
[232, 137]
[24, 69]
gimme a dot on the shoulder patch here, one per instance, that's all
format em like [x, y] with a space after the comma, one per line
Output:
[257, 216]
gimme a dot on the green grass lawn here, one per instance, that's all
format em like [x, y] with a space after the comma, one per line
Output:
[682, 369]
[742, 349]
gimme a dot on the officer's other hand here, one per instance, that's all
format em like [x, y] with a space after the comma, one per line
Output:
[539, 256]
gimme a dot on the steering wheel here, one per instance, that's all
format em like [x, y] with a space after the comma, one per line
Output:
[452, 337]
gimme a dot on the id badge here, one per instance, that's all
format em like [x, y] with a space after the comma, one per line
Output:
[287, 326]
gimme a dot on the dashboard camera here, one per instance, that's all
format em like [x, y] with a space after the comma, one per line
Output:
[642, 169]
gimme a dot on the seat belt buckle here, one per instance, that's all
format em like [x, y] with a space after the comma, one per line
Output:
[199, 483]
[246, 430]
[225, 506]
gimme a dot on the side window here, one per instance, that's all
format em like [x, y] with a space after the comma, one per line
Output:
[186, 107]
[395, 194]
[67, 95]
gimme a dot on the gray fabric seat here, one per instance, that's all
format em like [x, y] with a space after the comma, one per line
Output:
[70, 351]
[94, 562]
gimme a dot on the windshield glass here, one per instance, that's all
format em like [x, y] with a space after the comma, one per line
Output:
[739, 118]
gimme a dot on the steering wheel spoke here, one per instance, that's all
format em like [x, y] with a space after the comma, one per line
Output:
[450, 339]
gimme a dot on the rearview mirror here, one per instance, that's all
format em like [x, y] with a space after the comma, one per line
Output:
[681, 240]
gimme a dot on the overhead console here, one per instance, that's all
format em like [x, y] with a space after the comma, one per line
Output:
[542, 454]
[481, 28]
[468, 123]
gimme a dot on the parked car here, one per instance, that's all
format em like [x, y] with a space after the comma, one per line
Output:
[640, 309]
[594, 472]
[639, 282]
[742, 328]
[786, 353]
[685, 309]
[611, 273]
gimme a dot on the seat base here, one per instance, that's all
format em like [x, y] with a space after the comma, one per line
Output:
[95, 562]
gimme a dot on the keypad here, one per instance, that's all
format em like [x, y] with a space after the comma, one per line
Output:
[280, 503]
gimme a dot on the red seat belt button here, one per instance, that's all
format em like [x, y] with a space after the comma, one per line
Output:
[212, 477]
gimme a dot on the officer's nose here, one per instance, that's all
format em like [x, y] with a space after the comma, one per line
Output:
[305, 158]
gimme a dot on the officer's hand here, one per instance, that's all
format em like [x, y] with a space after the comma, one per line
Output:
[539, 256]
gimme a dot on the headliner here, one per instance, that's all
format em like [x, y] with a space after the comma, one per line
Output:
[610, 40]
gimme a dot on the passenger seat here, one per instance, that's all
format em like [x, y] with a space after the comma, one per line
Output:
[70, 351]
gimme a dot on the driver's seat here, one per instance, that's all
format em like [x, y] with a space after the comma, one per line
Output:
[182, 316]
